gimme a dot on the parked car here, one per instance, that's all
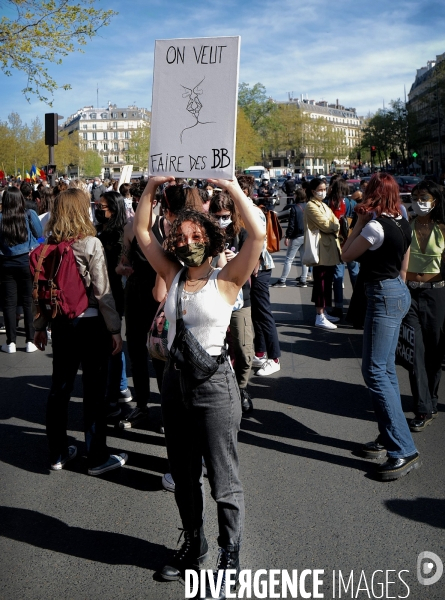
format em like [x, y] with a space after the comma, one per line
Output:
[407, 183]
[354, 185]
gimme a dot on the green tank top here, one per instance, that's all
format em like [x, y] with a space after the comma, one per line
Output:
[428, 261]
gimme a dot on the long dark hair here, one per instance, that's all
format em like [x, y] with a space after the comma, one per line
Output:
[14, 230]
[338, 191]
[436, 191]
[116, 205]
[223, 201]
[313, 185]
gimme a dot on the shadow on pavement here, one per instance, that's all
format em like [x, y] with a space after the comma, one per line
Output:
[338, 398]
[43, 531]
[423, 510]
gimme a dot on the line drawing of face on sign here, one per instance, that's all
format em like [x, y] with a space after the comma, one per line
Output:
[194, 105]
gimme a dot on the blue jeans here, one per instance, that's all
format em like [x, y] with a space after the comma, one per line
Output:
[294, 245]
[339, 275]
[388, 303]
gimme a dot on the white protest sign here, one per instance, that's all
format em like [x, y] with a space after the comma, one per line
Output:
[195, 96]
[125, 177]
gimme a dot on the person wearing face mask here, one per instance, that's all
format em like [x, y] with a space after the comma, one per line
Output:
[206, 420]
[318, 216]
[380, 241]
[426, 284]
[111, 217]
[223, 209]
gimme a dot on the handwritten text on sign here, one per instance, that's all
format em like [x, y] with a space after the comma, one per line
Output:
[195, 92]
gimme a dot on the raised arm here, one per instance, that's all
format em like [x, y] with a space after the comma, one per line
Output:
[237, 271]
[142, 227]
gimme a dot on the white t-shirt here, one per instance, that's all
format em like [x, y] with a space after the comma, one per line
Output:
[374, 234]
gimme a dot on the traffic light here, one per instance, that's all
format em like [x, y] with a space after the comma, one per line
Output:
[373, 151]
[414, 154]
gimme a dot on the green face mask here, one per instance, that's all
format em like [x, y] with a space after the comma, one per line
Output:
[193, 255]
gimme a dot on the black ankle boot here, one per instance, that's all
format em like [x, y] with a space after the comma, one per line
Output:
[226, 560]
[191, 555]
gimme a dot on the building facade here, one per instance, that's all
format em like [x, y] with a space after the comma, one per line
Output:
[343, 121]
[108, 131]
[426, 115]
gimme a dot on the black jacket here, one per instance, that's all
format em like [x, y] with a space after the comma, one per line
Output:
[289, 187]
[295, 227]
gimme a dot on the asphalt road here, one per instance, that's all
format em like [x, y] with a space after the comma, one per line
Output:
[311, 501]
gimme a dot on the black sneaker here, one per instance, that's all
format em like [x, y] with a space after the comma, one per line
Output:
[191, 555]
[246, 401]
[113, 410]
[226, 560]
[278, 284]
[125, 396]
[133, 418]
[301, 283]
[420, 422]
[395, 468]
[374, 449]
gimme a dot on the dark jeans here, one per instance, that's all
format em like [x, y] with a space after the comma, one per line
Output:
[16, 284]
[426, 315]
[208, 428]
[86, 343]
[140, 310]
[322, 288]
[266, 336]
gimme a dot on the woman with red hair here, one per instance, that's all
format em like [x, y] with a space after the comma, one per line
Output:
[380, 241]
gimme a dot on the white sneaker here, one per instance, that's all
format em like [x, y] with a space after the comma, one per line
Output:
[9, 348]
[269, 367]
[321, 321]
[168, 483]
[30, 347]
[331, 318]
[258, 362]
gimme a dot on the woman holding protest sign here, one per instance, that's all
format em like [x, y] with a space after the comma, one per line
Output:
[427, 311]
[201, 407]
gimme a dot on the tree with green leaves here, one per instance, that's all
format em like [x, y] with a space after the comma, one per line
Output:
[248, 143]
[90, 163]
[39, 33]
[257, 107]
[139, 147]
[387, 130]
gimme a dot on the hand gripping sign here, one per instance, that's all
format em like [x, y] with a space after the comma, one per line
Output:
[195, 96]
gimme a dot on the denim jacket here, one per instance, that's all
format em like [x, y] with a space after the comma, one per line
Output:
[35, 231]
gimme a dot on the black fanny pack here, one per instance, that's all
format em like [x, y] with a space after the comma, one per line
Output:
[189, 357]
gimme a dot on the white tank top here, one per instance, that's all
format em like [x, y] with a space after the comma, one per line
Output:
[206, 314]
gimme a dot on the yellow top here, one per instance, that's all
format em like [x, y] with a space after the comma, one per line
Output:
[428, 261]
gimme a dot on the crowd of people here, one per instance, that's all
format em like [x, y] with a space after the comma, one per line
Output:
[195, 279]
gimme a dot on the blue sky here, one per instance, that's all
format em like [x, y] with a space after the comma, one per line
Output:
[362, 53]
